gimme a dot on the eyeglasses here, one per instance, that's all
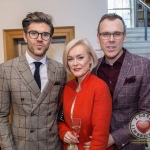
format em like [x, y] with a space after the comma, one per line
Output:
[34, 35]
[106, 35]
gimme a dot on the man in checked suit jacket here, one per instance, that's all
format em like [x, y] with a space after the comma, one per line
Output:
[34, 122]
[128, 78]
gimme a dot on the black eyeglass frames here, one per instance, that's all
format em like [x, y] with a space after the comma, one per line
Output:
[34, 35]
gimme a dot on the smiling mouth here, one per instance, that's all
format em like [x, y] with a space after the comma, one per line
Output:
[110, 46]
[39, 45]
[76, 69]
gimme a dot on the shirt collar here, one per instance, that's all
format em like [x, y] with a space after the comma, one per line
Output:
[31, 60]
[121, 58]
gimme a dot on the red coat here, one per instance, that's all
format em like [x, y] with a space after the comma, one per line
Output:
[94, 106]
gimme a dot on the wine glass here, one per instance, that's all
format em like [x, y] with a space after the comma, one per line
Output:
[76, 125]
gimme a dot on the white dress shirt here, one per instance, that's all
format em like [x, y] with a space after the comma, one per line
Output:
[43, 69]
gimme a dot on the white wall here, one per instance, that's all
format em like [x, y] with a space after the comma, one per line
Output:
[83, 14]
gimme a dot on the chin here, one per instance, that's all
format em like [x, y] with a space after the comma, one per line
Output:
[40, 54]
[111, 55]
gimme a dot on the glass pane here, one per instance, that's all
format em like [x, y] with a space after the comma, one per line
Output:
[126, 4]
[126, 14]
[118, 4]
[127, 23]
[111, 4]
[119, 12]
[112, 11]
[122, 8]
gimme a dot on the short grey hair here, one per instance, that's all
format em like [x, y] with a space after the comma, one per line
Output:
[88, 47]
[111, 16]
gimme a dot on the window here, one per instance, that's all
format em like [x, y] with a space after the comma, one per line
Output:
[122, 8]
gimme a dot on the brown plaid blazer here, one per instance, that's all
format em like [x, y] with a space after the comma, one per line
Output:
[34, 122]
[128, 99]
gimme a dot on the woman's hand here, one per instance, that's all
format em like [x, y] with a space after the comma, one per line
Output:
[70, 139]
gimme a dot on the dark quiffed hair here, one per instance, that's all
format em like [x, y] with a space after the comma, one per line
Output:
[38, 17]
[111, 16]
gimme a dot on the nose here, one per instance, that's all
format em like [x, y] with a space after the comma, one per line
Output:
[39, 37]
[111, 38]
[75, 62]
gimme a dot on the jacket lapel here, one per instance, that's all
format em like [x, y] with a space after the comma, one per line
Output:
[26, 76]
[94, 71]
[127, 63]
[51, 71]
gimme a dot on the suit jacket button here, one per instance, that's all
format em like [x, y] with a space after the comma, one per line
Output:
[50, 129]
[31, 131]
[32, 114]
[49, 113]
[22, 99]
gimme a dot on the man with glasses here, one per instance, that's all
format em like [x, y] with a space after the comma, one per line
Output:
[32, 84]
[128, 78]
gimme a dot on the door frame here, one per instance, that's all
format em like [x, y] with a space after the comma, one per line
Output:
[12, 36]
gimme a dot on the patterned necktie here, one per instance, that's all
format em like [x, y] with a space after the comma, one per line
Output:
[37, 74]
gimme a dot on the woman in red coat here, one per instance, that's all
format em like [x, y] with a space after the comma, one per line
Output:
[86, 97]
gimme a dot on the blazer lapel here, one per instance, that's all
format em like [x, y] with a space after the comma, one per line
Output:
[26, 76]
[127, 63]
[51, 71]
[94, 71]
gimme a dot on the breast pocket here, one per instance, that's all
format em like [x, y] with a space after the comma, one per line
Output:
[128, 96]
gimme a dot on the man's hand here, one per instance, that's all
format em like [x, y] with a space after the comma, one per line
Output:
[110, 141]
[87, 144]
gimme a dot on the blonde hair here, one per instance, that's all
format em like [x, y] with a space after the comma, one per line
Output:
[89, 49]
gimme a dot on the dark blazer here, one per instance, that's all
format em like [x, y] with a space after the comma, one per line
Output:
[129, 98]
[34, 122]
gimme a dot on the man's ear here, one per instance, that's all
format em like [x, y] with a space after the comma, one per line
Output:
[25, 37]
[124, 37]
[51, 39]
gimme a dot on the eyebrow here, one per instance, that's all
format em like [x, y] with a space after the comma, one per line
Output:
[111, 32]
[77, 55]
